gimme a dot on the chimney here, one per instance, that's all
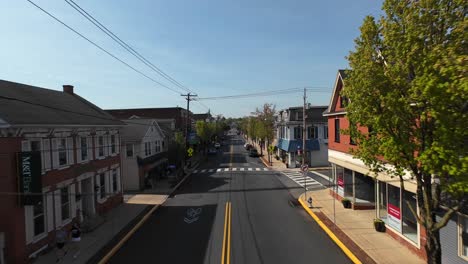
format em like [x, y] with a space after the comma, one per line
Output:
[68, 89]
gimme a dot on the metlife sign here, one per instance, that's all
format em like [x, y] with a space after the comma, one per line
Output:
[29, 177]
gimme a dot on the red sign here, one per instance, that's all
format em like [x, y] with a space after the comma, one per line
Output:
[340, 182]
[394, 211]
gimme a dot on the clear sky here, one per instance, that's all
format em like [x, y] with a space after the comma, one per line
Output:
[213, 47]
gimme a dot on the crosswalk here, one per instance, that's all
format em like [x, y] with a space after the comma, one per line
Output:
[229, 170]
[298, 178]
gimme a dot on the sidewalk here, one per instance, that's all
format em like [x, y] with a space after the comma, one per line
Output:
[116, 221]
[357, 225]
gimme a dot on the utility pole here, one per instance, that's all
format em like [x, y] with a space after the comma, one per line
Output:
[189, 97]
[304, 143]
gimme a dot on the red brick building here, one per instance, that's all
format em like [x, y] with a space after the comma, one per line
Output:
[352, 179]
[79, 165]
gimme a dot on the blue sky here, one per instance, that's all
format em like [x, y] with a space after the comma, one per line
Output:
[214, 47]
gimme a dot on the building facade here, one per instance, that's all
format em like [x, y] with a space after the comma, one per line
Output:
[353, 180]
[288, 126]
[144, 155]
[78, 166]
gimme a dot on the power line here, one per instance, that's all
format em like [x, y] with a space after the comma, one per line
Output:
[124, 44]
[101, 48]
[265, 93]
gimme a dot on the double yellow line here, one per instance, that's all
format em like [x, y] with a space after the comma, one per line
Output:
[226, 253]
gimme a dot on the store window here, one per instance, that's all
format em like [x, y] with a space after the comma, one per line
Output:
[383, 200]
[339, 180]
[102, 185]
[348, 183]
[39, 219]
[65, 200]
[409, 222]
[393, 207]
[364, 188]
[463, 236]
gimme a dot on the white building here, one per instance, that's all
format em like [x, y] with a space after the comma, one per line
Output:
[289, 123]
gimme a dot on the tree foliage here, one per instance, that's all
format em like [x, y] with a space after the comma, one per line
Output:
[408, 83]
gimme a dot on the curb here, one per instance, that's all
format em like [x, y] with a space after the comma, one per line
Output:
[335, 239]
[143, 219]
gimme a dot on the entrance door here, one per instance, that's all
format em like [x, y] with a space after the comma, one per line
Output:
[87, 197]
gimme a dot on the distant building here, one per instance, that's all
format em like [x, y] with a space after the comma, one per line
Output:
[144, 153]
[174, 117]
[207, 117]
[289, 123]
[77, 177]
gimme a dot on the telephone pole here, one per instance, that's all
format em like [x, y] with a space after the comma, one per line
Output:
[304, 115]
[188, 97]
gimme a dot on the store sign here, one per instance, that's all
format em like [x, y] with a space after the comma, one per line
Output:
[394, 217]
[340, 184]
[29, 177]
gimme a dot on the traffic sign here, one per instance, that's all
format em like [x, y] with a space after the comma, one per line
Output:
[271, 148]
[190, 152]
[304, 168]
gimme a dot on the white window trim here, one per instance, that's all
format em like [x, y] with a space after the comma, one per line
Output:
[67, 164]
[112, 154]
[98, 183]
[67, 220]
[79, 150]
[44, 234]
[459, 235]
[98, 156]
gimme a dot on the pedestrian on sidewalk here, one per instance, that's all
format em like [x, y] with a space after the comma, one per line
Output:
[75, 239]
[61, 238]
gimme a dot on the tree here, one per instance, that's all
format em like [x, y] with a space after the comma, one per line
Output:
[205, 132]
[408, 85]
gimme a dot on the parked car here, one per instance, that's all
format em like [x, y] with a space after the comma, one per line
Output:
[253, 152]
[217, 145]
[247, 146]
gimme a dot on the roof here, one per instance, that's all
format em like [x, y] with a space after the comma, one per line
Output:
[339, 82]
[314, 113]
[136, 129]
[24, 105]
[162, 113]
[201, 116]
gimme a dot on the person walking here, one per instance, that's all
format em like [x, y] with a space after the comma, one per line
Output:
[75, 239]
[61, 238]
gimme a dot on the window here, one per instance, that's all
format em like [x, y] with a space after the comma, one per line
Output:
[299, 115]
[84, 148]
[463, 237]
[147, 148]
[113, 144]
[102, 185]
[129, 148]
[337, 130]
[162, 144]
[114, 181]
[312, 132]
[39, 219]
[62, 151]
[101, 146]
[65, 200]
[297, 132]
[35, 145]
[325, 132]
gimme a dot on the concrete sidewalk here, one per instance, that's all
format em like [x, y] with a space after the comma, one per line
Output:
[116, 221]
[357, 225]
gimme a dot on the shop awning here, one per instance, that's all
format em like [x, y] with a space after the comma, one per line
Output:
[296, 144]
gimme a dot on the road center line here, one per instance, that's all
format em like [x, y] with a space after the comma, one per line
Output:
[226, 251]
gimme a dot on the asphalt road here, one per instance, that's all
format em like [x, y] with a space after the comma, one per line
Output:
[193, 226]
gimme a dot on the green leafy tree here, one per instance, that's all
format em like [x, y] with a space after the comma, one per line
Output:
[408, 83]
[205, 132]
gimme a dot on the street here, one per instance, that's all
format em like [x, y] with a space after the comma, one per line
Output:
[233, 210]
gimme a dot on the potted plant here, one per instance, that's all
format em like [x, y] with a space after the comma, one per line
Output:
[346, 203]
[379, 225]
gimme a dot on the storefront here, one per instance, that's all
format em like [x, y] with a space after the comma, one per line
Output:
[355, 186]
[393, 207]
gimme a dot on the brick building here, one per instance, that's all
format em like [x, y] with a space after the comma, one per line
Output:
[77, 145]
[383, 193]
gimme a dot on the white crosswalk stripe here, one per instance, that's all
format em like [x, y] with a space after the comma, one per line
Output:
[195, 171]
[242, 169]
[257, 169]
[298, 178]
[235, 169]
[218, 170]
[250, 169]
[203, 170]
[211, 170]
[226, 169]
[265, 169]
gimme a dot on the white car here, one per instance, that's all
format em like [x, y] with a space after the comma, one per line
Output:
[217, 145]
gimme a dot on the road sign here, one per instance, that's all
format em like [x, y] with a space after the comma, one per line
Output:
[304, 168]
[190, 152]
[192, 215]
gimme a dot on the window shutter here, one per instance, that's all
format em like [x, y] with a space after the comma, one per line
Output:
[58, 208]
[29, 223]
[71, 151]
[117, 144]
[78, 149]
[55, 158]
[25, 145]
[46, 153]
[96, 146]
[72, 200]
[49, 210]
[89, 143]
